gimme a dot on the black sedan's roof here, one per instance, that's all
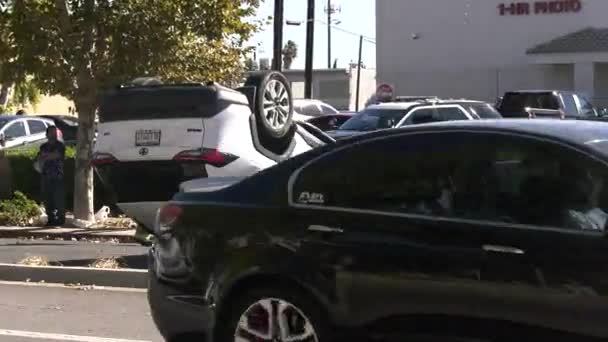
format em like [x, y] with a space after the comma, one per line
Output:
[579, 132]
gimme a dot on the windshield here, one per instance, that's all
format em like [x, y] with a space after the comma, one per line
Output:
[483, 111]
[3, 123]
[373, 119]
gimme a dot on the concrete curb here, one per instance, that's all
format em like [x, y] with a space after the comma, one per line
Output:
[78, 235]
[128, 278]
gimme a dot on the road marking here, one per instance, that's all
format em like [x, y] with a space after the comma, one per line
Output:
[73, 287]
[61, 337]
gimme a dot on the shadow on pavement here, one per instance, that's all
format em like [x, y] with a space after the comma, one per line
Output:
[128, 261]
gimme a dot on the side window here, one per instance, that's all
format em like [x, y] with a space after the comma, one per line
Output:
[546, 184]
[422, 115]
[407, 174]
[479, 177]
[547, 101]
[569, 104]
[36, 126]
[451, 114]
[328, 110]
[15, 130]
[586, 107]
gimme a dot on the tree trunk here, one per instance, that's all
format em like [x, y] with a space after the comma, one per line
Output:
[4, 89]
[83, 173]
[287, 62]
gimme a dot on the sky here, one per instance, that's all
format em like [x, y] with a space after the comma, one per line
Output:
[357, 17]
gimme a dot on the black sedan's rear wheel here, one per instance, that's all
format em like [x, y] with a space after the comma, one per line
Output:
[273, 315]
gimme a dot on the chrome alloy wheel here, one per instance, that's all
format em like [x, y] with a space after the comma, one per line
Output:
[274, 320]
[276, 104]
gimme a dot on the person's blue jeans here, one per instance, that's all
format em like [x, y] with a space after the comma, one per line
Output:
[53, 195]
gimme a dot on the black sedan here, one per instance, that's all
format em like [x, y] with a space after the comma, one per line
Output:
[490, 230]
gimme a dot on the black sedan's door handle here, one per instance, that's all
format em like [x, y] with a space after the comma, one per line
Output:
[324, 229]
[503, 249]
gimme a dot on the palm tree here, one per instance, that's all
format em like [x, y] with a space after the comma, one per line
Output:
[290, 53]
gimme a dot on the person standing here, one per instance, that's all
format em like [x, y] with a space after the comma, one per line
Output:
[52, 157]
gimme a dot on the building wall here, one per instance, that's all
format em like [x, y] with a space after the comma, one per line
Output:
[465, 48]
[367, 87]
[601, 85]
[336, 87]
[52, 105]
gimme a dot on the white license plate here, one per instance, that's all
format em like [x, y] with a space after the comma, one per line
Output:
[147, 137]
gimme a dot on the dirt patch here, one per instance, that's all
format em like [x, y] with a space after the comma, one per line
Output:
[108, 263]
[34, 261]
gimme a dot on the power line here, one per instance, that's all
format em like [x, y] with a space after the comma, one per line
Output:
[366, 38]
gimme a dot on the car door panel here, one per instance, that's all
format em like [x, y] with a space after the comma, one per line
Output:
[398, 260]
[561, 289]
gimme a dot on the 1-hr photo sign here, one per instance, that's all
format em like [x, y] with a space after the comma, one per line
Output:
[540, 7]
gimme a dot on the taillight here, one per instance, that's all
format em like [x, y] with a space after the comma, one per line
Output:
[100, 159]
[210, 156]
[167, 217]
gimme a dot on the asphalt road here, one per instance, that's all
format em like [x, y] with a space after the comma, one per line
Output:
[32, 313]
[72, 253]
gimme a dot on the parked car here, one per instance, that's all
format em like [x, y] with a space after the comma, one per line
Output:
[330, 122]
[67, 124]
[546, 103]
[489, 230]
[410, 98]
[313, 108]
[399, 114]
[22, 130]
[151, 138]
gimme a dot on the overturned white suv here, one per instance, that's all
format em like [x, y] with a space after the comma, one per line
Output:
[152, 138]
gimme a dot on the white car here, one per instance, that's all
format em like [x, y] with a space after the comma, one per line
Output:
[305, 109]
[399, 114]
[22, 130]
[152, 138]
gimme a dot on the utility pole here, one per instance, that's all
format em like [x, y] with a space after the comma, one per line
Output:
[310, 39]
[329, 13]
[278, 35]
[330, 10]
[359, 73]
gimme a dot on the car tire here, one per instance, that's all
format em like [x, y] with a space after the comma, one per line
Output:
[252, 307]
[273, 105]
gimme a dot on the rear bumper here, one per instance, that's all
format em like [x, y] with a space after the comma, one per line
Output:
[178, 312]
[153, 181]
